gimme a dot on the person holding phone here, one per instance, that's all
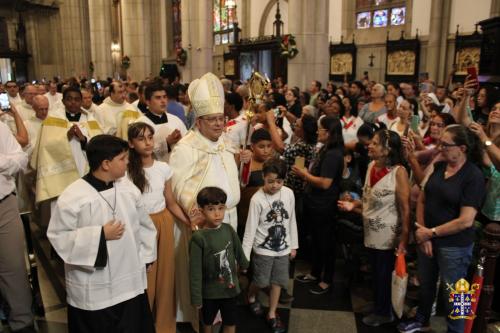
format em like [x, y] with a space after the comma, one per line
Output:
[403, 125]
[11, 117]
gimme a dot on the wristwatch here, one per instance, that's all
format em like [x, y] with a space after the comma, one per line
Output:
[434, 234]
[487, 143]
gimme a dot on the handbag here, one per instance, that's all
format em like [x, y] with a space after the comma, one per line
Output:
[399, 284]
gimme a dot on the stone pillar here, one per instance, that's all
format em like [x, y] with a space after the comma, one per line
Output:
[495, 8]
[100, 37]
[75, 38]
[197, 39]
[136, 37]
[308, 22]
[438, 32]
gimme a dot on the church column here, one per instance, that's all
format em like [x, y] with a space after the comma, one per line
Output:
[136, 37]
[495, 8]
[308, 22]
[100, 37]
[438, 33]
[75, 38]
[197, 39]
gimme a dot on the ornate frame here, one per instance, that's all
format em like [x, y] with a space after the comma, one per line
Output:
[342, 59]
[402, 59]
[467, 52]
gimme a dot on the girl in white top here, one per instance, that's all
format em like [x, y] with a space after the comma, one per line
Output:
[153, 180]
[350, 124]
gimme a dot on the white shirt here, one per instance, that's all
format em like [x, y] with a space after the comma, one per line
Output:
[385, 119]
[162, 131]
[12, 160]
[33, 126]
[236, 130]
[75, 231]
[350, 130]
[15, 100]
[153, 196]
[271, 228]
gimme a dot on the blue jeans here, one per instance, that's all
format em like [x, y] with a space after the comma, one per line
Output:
[451, 264]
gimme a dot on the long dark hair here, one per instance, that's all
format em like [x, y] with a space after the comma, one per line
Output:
[309, 128]
[135, 169]
[391, 141]
[335, 140]
[463, 136]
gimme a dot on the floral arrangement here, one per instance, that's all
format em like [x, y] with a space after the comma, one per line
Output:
[289, 47]
[181, 56]
[125, 62]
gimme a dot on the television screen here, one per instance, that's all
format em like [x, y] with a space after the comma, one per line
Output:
[363, 20]
[398, 16]
[380, 18]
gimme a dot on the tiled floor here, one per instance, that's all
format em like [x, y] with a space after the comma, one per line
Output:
[340, 311]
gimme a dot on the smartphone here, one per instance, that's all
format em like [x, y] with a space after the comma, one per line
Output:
[277, 112]
[415, 121]
[98, 85]
[472, 72]
[4, 102]
[300, 162]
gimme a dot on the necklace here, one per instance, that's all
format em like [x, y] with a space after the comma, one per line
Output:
[113, 208]
[274, 214]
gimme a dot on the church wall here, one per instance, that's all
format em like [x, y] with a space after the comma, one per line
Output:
[268, 27]
[421, 16]
[467, 13]
[335, 22]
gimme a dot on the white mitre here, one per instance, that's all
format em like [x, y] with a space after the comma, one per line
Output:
[206, 95]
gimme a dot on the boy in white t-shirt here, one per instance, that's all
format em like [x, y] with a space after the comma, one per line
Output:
[271, 234]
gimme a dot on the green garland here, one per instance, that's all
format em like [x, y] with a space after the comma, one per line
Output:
[289, 47]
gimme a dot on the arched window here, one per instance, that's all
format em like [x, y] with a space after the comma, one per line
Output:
[380, 13]
[224, 17]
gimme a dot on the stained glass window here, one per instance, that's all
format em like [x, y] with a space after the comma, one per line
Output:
[224, 17]
[363, 20]
[380, 18]
[398, 16]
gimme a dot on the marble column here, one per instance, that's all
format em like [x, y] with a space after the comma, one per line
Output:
[438, 33]
[308, 22]
[100, 37]
[495, 8]
[75, 38]
[137, 37]
[197, 39]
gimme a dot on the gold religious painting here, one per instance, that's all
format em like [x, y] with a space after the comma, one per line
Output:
[341, 63]
[229, 67]
[401, 62]
[467, 57]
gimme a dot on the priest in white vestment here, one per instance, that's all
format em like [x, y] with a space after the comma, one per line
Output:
[108, 113]
[169, 129]
[54, 97]
[204, 157]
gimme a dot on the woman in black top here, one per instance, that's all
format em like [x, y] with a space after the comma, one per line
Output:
[322, 192]
[446, 209]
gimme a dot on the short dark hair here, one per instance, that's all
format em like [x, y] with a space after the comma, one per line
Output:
[318, 84]
[275, 165]
[211, 196]
[104, 147]
[71, 89]
[172, 92]
[234, 99]
[151, 89]
[260, 134]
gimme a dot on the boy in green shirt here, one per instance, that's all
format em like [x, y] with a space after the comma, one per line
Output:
[214, 252]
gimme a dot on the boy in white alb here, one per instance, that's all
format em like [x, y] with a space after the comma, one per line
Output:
[106, 239]
[271, 232]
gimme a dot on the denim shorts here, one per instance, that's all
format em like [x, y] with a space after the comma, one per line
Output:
[270, 270]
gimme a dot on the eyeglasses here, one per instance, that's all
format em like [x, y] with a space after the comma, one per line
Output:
[213, 120]
[440, 125]
[445, 145]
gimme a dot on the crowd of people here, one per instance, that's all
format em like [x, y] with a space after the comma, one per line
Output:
[159, 197]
